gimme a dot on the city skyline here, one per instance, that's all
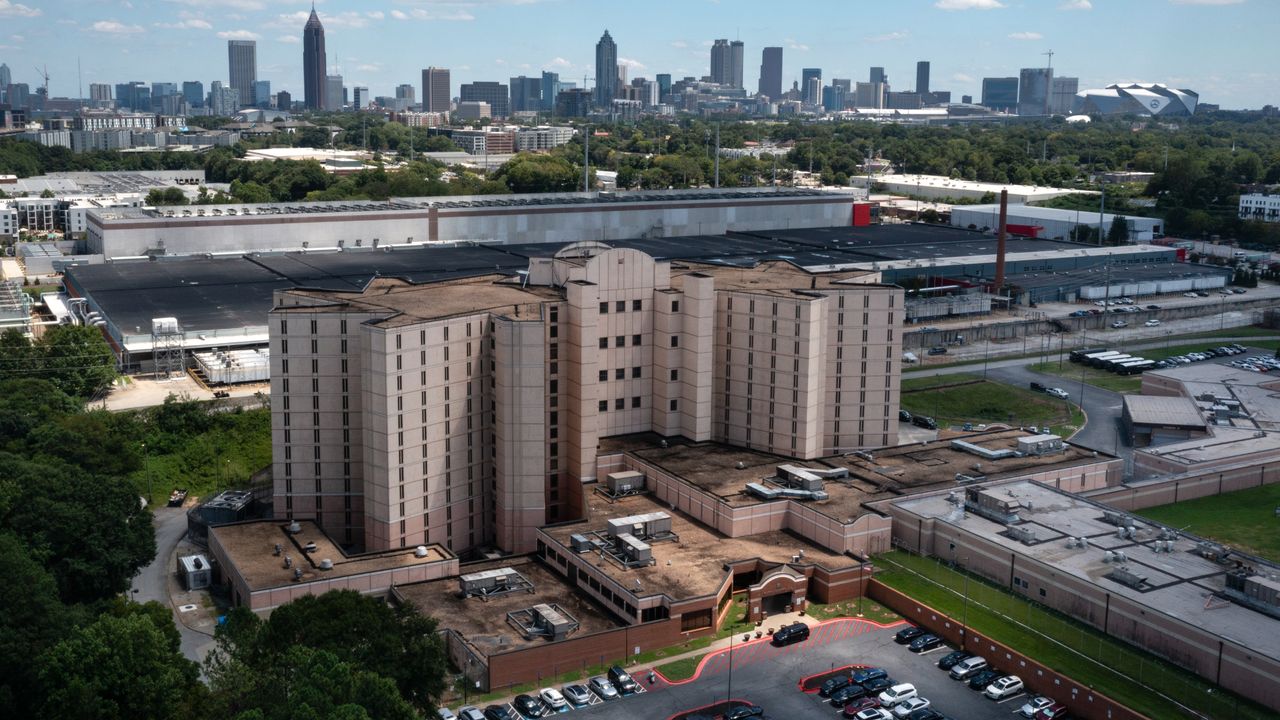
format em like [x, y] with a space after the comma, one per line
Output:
[378, 46]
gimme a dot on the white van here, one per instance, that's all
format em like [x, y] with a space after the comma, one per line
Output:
[967, 667]
[897, 694]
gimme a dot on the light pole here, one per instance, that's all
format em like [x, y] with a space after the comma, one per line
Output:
[146, 469]
[964, 619]
[862, 581]
[729, 692]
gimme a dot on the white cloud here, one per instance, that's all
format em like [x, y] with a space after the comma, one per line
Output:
[1076, 5]
[962, 78]
[455, 13]
[558, 62]
[237, 4]
[679, 44]
[796, 45]
[633, 64]
[889, 36]
[1025, 36]
[238, 35]
[399, 15]
[12, 9]
[289, 39]
[112, 27]
[17, 38]
[375, 15]
[192, 24]
[369, 67]
[968, 4]
[1206, 2]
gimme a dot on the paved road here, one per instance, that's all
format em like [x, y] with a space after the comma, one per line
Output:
[152, 581]
[769, 676]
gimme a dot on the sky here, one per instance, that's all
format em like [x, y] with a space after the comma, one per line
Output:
[1223, 49]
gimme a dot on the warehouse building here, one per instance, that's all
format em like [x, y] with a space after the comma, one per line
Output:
[1050, 223]
[940, 187]
[1196, 604]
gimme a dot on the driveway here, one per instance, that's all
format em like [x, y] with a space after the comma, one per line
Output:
[153, 581]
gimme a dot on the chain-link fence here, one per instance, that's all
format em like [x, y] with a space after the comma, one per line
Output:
[1118, 663]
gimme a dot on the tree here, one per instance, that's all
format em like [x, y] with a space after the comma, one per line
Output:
[117, 667]
[528, 173]
[166, 196]
[32, 621]
[27, 402]
[77, 359]
[394, 642]
[1118, 233]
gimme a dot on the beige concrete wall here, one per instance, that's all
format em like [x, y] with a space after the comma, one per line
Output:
[519, 432]
[863, 369]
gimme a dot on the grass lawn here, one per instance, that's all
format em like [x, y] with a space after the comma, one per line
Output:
[1071, 372]
[957, 399]
[1007, 618]
[1244, 519]
[681, 669]
[871, 610]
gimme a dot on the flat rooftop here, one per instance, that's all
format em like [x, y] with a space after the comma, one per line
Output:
[1163, 410]
[1257, 393]
[251, 548]
[483, 622]
[694, 566]
[1180, 581]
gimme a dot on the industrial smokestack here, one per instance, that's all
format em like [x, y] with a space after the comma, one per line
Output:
[1000, 239]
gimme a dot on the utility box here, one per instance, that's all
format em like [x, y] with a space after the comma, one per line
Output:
[624, 482]
[195, 572]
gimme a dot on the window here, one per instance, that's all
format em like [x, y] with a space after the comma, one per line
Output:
[674, 405]
[635, 340]
[620, 306]
[675, 375]
[675, 306]
[1042, 592]
[635, 401]
[604, 343]
[675, 341]
[604, 308]
[637, 305]
[603, 405]
[620, 374]
[635, 371]
[619, 404]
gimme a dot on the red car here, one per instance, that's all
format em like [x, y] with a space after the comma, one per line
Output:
[859, 705]
[1056, 711]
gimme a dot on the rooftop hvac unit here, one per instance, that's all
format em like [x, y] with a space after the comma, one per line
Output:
[636, 550]
[644, 526]
[1128, 578]
[764, 491]
[485, 581]
[420, 551]
[1109, 557]
[1112, 517]
[624, 482]
[1026, 536]
[580, 543]
[326, 564]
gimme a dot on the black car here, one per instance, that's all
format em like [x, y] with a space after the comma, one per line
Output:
[924, 422]
[865, 675]
[983, 678]
[741, 712]
[904, 416]
[1153, 307]
[937, 350]
[925, 643]
[907, 634]
[498, 712]
[793, 633]
[529, 706]
[949, 660]
[925, 714]
[1037, 387]
[878, 685]
[847, 694]
[623, 681]
[833, 684]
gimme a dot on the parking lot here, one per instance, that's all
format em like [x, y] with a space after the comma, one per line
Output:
[770, 677]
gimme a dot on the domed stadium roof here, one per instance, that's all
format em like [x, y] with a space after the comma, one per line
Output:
[1153, 99]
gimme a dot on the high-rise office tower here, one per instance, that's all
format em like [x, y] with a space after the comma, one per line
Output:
[314, 64]
[334, 95]
[361, 98]
[549, 82]
[526, 94]
[100, 92]
[1033, 91]
[771, 73]
[242, 62]
[1062, 93]
[878, 76]
[262, 93]
[664, 86]
[494, 93]
[726, 63]
[606, 70]
[1000, 93]
[806, 75]
[922, 77]
[193, 91]
[284, 101]
[6, 77]
[134, 95]
[405, 92]
[435, 90]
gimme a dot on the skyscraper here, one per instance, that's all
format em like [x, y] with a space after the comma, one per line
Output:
[262, 94]
[1062, 94]
[193, 91]
[922, 77]
[878, 76]
[806, 75]
[435, 90]
[333, 92]
[726, 63]
[406, 92]
[771, 73]
[526, 94]
[606, 70]
[664, 86]
[284, 100]
[98, 92]
[6, 77]
[242, 64]
[314, 63]
[549, 82]
[1000, 93]
[360, 98]
[1033, 91]
[494, 93]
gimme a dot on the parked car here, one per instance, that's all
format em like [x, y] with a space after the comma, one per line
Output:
[966, 668]
[553, 699]
[1056, 711]
[865, 675]
[949, 660]
[604, 689]
[833, 684]
[856, 706]
[1189, 294]
[907, 634]
[925, 643]
[529, 706]
[1153, 307]
[470, 712]
[937, 350]
[927, 713]
[622, 680]
[577, 695]
[925, 422]
[1152, 323]
[847, 694]
[1037, 387]
[1004, 687]
[1119, 324]
[445, 714]
[741, 712]
[897, 694]
[793, 633]
[875, 713]
[904, 416]
[981, 679]
[910, 705]
[498, 712]
[1034, 705]
[878, 685]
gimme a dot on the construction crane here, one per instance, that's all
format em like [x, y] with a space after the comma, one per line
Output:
[1048, 88]
[43, 73]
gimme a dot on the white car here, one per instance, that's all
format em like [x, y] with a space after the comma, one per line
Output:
[1190, 295]
[445, 714]
[1035, 705]
[910, 705]
[553, 699]
[1004, 687]
[1119, 324]
[896, 694]
[873, 714]
[1152, 322]
[1058, 393]
[470, 712]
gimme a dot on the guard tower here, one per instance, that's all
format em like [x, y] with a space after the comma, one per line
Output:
[166, 347]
